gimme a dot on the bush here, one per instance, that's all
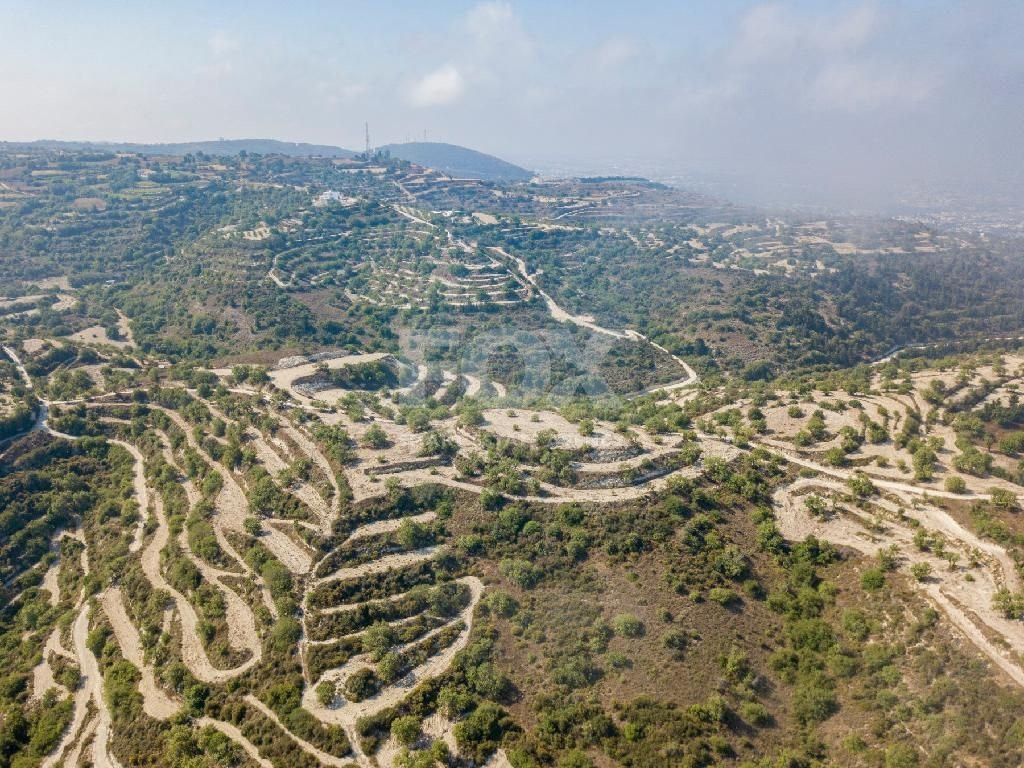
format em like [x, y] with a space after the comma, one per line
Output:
[326, 692]
[375, 437]
[361, 685]
[955, 484]
[1003, 498]
[1009, 604]
[921, 571]
[520, 572]
[861, 485]
[814, 701]
[755, 713]
[815, 505]
[628, 625]
[973, 462]
[872, 580]
[675, 640]
[378, 639]
[723, 596]
[901, 756]
[405, 730]
[835, 457]
[501, 604]
[575, 758]
[479, 735]
[856, 626]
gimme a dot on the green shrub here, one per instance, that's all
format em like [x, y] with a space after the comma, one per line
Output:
[955, 484]
[724, 596]
[628, 625]
[755, 713]
[872, 580]
[405, 730]
[921, 571]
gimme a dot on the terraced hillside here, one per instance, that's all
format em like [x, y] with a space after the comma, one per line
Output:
[347, 462]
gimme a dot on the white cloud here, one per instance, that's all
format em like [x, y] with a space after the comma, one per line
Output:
[494, 38]
[825, 60]
[860, 86]
[490, 53]
[223, 53]
[444, 85]
[614, 53]
[772, 28]
[222, 45]
[490, 19]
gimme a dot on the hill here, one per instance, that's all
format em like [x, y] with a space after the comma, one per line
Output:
[458, 161]
[545, 450]
[216, 147]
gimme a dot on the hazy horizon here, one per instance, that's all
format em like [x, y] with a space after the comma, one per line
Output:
[853, 101]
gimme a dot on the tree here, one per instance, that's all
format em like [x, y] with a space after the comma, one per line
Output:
[1003, 498]
[921, 571]
[376, 437]
[326, 693]
[378, 639]
[924, 463]
[413, 535]
[955, 484]
[627, 625]
[815, 505]
[872, 580]
[405, 730]
[861, 485]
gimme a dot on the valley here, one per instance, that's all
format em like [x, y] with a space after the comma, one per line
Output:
[360, 466]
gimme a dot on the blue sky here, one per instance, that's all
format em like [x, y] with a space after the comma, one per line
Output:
[853, 93]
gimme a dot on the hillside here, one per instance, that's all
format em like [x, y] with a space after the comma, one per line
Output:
[458, 161]
[310, 461]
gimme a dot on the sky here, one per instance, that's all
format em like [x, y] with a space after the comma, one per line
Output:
[855, 100]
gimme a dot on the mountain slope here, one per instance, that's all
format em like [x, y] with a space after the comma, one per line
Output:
[458, 161]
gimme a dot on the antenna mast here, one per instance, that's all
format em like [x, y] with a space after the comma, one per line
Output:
[367, 141]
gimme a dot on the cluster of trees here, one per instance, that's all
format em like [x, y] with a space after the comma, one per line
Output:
[18, 419]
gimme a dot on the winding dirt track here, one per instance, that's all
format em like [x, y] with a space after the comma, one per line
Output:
[42, 673]
[141, 492]
[350, 712]
[155, 702]
[236, 735]
[51, 583]
[304, 745]
[194, 655]
[588, 322]
[967, 604]
[92, 686]
[385, 563]
[233, 508]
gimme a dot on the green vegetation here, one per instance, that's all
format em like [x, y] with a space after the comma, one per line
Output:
[545, 590]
